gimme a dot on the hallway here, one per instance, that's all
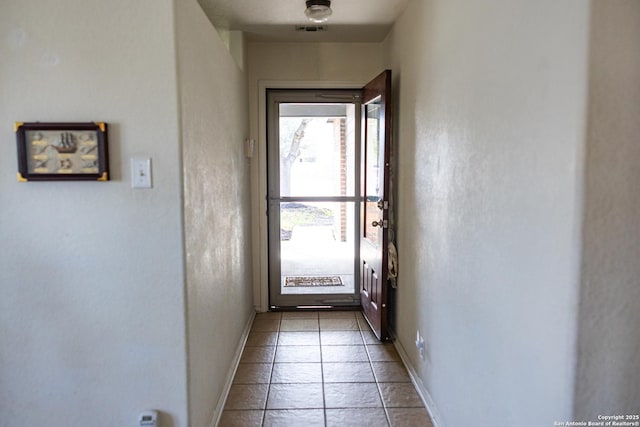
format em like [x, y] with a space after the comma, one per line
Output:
[515, 164]
[320, 369]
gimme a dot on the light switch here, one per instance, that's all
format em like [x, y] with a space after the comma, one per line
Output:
[141, 172]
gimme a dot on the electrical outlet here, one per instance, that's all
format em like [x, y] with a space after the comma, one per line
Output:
[148, 419]
[249, 147]
[420, 345]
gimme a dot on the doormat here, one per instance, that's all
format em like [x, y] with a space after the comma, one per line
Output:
[313, 281]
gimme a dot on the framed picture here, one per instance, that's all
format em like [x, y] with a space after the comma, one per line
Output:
[62, 151]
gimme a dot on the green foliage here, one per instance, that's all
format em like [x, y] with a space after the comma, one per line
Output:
[297, 214]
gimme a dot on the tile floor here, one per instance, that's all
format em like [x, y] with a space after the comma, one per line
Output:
[320, 369]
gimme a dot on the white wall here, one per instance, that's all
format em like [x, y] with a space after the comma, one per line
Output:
[608, 379]
[490, 138]
[301, 65]
[217, 210]
[91, 279]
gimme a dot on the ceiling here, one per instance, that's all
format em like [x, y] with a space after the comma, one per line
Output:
[276, 20]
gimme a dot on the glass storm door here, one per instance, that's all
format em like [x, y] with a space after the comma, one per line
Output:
[313, 197]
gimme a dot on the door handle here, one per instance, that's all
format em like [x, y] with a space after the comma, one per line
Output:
[379, 223]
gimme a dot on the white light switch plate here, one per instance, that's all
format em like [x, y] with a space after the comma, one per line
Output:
[141, 172]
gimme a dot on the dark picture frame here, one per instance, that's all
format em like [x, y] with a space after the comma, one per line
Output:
[62, 151]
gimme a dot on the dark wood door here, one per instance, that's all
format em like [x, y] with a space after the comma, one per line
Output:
[374, 208]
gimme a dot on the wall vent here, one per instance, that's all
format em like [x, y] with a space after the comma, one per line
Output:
[311, 28]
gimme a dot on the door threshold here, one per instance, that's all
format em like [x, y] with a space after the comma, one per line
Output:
[315, 308]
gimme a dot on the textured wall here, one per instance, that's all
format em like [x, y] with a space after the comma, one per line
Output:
[216, 207]
[608, 378]
[490, 121]
[91, 280]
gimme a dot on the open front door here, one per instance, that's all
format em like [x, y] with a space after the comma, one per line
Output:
[374, 208]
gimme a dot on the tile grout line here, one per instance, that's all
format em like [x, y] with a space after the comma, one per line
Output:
[324, 400]
[273, 361]
[375, 377]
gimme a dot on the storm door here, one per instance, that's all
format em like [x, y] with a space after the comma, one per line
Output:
[313, 197]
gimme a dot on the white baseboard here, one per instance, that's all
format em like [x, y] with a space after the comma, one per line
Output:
[232, 372]
[419, 385]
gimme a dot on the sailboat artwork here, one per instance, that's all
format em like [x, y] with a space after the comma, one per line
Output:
[66, 144]
[62, 151]
[74, 152]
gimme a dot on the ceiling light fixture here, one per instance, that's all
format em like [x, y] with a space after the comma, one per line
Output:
[318, 10]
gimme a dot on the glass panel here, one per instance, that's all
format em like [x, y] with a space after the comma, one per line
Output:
[317, 146]
[317, 247]
[372, 183]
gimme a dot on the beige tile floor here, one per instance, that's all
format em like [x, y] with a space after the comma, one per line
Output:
[320, 369]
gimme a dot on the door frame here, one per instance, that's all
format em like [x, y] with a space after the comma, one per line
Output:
[260, 224]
